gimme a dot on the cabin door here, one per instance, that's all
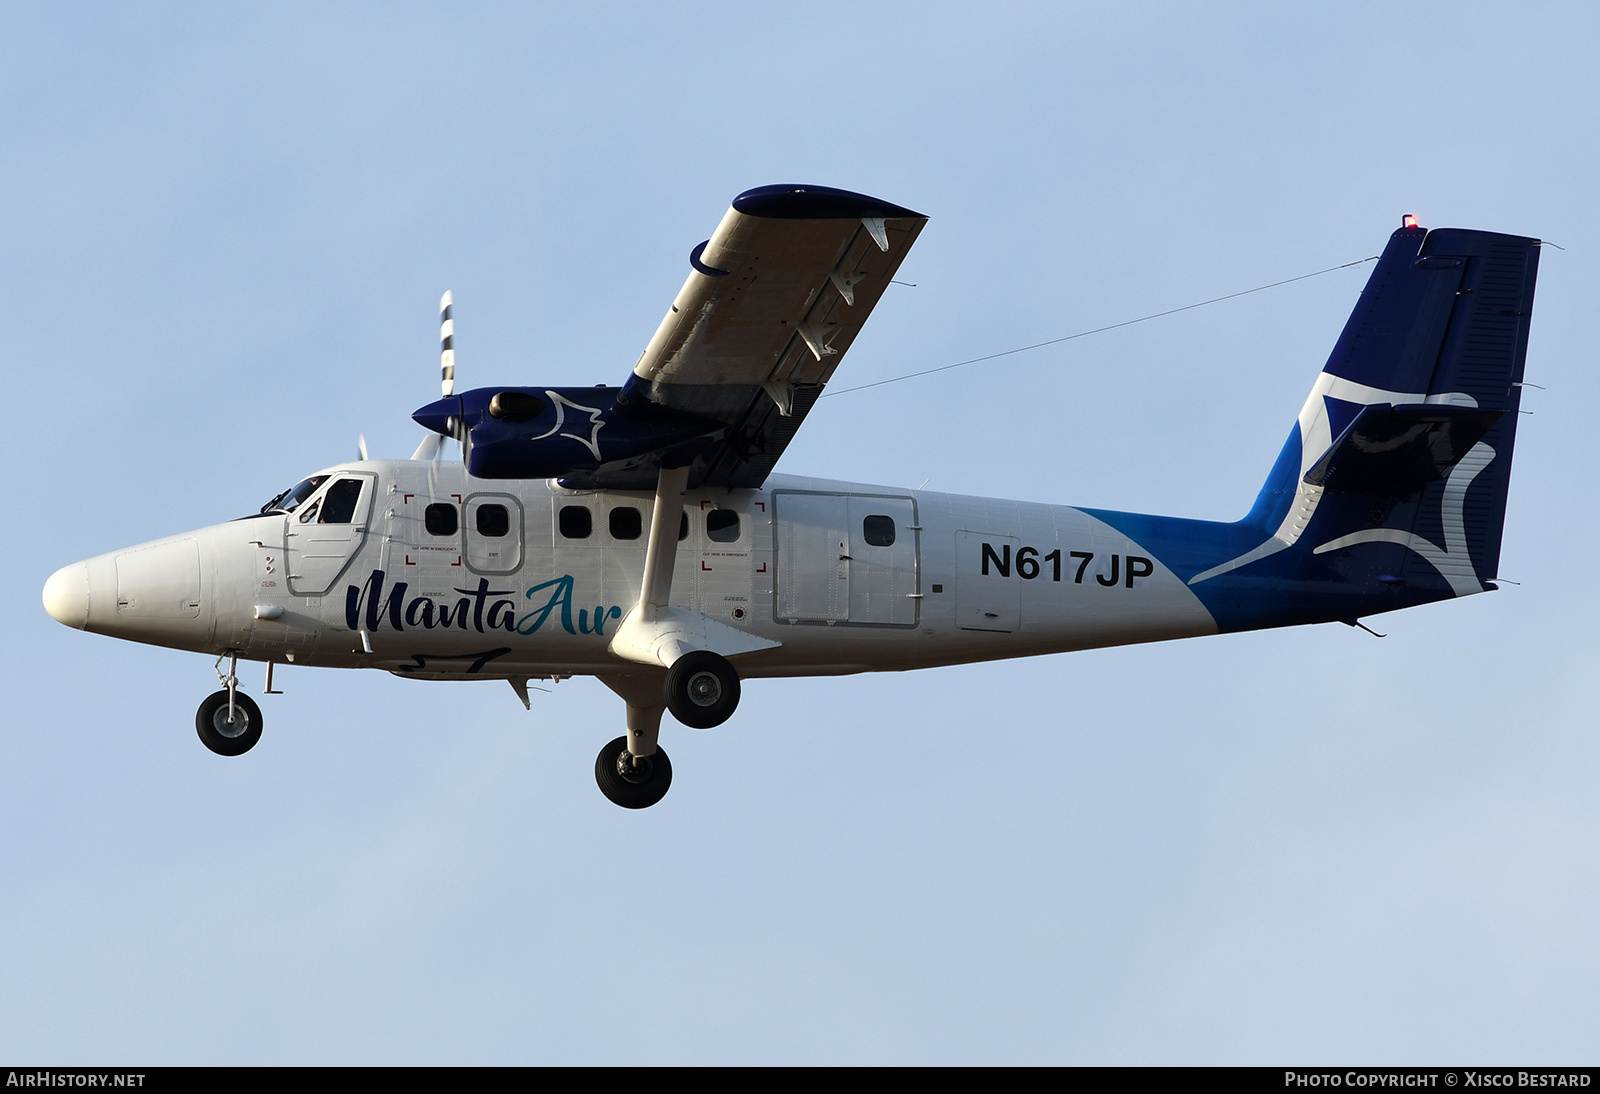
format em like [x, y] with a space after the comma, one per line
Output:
[883, 560]
[324, 534]
[846, 558]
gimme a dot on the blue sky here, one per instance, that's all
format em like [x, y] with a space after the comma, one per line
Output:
[227, 232]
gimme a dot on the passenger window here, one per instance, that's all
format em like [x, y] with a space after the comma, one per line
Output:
[440, 519]
[575, 522]
[626, 523]
[878, 531]
[493, 521]
[722, 526]
[683, 526]
[339, 503]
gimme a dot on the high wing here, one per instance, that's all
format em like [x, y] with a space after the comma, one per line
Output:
[775, 299]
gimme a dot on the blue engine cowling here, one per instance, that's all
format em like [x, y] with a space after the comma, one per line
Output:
[540, 433]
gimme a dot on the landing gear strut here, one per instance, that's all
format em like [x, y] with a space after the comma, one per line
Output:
[700, 687]
[633, 782]
[229, 724]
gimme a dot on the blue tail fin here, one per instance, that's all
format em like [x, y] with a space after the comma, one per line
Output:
[1391, 490]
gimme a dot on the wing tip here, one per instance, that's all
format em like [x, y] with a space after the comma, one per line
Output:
[793, 201]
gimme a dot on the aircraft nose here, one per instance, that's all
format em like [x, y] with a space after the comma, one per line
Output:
[66, 595]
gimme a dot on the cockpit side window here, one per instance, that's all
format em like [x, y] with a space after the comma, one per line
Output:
[290, 499]
[339, 503]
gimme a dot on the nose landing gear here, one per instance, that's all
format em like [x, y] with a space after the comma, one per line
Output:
[229, 724]
[224, 735]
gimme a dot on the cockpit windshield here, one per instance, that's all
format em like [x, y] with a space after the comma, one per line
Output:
[290, 499]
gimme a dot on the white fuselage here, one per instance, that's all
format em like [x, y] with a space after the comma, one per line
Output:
[525, 578]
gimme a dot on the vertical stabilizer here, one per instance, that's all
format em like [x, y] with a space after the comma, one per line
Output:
[1391, 489]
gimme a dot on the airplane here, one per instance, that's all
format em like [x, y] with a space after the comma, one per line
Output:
[639, 534]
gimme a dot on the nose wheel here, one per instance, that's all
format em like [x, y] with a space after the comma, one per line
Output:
[229, 723]
[228, 729]
[633, 782]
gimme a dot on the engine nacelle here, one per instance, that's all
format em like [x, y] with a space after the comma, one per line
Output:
[540, 433]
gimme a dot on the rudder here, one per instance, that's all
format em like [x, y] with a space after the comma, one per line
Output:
[1438, 342]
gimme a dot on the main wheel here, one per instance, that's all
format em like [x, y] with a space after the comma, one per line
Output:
[629, 784]
[702, 689]
[221, 736]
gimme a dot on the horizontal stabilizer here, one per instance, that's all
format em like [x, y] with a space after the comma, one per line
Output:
[1394, 451]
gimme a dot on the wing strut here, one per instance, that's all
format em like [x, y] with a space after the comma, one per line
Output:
[655, 594]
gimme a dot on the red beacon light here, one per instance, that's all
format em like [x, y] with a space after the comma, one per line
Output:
[1408, 221]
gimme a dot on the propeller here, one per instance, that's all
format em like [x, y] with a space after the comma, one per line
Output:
[433, 444]
[429, 448]
[447, 349]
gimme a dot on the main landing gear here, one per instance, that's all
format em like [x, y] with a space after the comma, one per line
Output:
[633, 782]
[229, 723]
[700, 688]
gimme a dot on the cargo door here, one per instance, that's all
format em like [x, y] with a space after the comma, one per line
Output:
[988, 595]
[812, 557]
[160, 582]
[883, 560]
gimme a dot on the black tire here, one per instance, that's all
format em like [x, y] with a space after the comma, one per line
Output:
[630, 786]
[702, 689]
[211, 722]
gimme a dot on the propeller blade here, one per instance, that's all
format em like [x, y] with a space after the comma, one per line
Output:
[361, 446]
[447, 349]
[432, 445]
